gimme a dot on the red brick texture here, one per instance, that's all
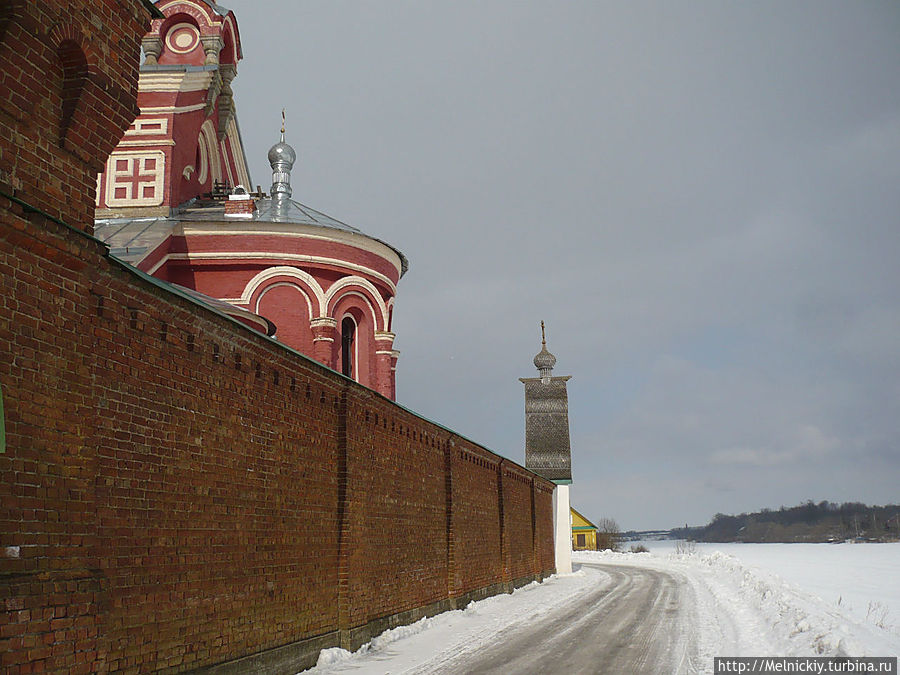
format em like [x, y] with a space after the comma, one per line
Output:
[68, 73]
[476, 520]
[244, 207]
[179, 491]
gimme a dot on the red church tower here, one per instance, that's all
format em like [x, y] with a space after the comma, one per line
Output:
[185, 138]
[167, 206]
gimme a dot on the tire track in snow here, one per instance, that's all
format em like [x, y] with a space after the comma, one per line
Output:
[639, 622]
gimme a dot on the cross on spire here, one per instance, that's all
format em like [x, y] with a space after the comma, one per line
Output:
[544, 361]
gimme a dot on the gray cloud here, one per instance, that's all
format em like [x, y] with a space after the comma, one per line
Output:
[700, 199]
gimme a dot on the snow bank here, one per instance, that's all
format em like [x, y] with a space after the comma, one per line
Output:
[336, 655]
[861, 580]
[748, 611]
[430, 642]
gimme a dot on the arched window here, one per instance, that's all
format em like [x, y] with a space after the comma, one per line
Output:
[348, 346]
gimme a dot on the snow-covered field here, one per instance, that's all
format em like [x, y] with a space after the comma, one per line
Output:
[862, 580]
[751, 600]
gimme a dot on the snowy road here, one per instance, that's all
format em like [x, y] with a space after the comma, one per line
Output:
[629, 613]
[635, 622]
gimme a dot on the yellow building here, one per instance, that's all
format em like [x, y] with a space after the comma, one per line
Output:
[584, 532]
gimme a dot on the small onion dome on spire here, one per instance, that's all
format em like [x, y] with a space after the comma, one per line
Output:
[282, 153]
[544, 361]
[281, 158]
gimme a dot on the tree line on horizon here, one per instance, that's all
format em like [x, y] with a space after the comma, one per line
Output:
[808, 522]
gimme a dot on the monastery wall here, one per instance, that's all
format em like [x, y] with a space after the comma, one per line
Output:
[179, 491]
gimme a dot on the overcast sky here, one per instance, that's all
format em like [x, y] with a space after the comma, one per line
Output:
[701, 199]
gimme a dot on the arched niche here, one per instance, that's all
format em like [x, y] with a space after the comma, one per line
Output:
[181, 44]
[74, 66]
[356, 307]
[349, 360]
[290, 307]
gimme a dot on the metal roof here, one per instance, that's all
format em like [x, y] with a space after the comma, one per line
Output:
[269, 211]
[130, 239]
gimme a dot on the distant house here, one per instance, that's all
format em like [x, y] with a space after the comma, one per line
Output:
[584, 533]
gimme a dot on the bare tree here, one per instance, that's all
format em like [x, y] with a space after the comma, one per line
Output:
[608, 535]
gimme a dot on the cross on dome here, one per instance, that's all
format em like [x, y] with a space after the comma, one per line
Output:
[544, 361]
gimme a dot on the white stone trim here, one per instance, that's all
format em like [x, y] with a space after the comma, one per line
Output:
[231, 175]
[147, 142]
[340, 284]
[193, 80]
[139, 124]
[284, 271]
[354, 239]
[186, 49]
[365, 299]
[203, 169]
[266, 255]
[173, 109]
[328, 321]
[237, 151]
[197, 10]
[208, 136]
[132, 156]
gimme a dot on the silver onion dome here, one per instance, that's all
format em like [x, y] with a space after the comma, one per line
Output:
[544, 361]
[282, 153]
[281, 158]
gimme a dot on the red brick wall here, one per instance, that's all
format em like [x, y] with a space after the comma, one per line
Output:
[518, 533]
[179, 491]
[175, 484]
[68, 73]
[543, 520]
[396, 510]
[187, 500]
[52, 585]
[215, 484]
[477, 561]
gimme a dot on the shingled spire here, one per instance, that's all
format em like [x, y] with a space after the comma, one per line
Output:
[547, 450]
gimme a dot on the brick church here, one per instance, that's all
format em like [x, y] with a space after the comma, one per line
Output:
[175, 200]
